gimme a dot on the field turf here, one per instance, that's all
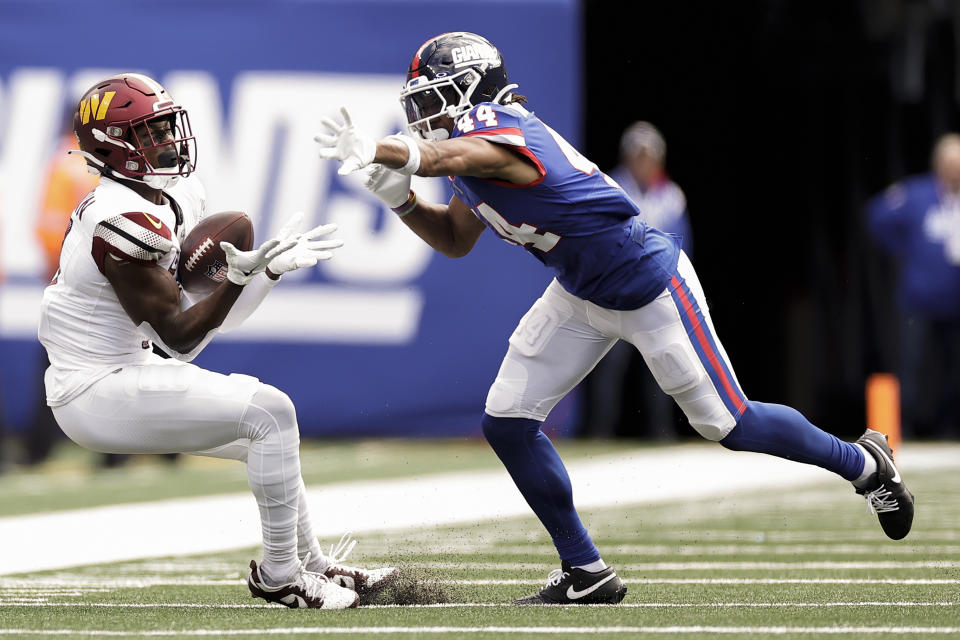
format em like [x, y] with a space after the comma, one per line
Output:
[803, 563]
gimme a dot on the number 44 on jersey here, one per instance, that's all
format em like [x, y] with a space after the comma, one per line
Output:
[525, 234]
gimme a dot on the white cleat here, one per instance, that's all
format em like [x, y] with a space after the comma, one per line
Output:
[309, 590]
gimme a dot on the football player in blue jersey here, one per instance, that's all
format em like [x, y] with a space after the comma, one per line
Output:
[616, 279]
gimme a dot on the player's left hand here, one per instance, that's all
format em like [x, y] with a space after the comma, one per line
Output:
[354, 149]
[306, 251]
[242, 266]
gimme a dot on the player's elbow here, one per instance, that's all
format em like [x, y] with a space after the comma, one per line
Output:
[178, 336]
[456, 251]
[181, 344]
[460, 244]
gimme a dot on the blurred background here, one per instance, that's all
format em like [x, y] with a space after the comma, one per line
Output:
[779, 122]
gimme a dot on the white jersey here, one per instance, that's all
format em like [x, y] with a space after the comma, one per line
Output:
[83, 326]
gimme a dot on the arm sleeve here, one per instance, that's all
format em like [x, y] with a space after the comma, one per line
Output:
[148, 331]
[250, 298]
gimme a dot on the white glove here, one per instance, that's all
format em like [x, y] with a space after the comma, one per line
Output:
[391, 186]
[242, 266]
[354, 149]
[307, 251]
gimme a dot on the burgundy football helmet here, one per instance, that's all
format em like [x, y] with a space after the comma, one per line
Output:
[449, 75]
[106, 122]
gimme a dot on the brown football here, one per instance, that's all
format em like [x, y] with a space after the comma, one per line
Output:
[203, 265]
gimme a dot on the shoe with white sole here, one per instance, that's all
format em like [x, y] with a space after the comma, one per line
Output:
[886, 494]
[578, 586]
[308, 590]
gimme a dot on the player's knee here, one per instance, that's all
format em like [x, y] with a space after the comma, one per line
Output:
[510, 397]
[676, 369]
[739, 438]
[503, 398]
[501, 431]
[713, 431]
[272, 414]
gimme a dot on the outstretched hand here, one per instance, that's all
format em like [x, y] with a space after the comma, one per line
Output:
[307, 250]
[242, 266]
[354, 149]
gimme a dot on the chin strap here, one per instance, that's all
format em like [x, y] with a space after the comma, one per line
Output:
[161, 182]
[100, 166]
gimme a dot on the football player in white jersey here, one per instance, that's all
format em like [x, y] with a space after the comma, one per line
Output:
[116, 292]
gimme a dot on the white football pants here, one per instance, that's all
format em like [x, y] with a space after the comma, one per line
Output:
[562, 337]
[169, 406]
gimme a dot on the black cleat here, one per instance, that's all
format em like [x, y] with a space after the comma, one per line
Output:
[577, 586]
[886, 494]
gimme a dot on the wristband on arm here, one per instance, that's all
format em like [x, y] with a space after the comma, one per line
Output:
[407, 206]
[413, 155]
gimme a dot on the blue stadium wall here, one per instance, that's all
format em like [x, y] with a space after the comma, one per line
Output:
[388, 338]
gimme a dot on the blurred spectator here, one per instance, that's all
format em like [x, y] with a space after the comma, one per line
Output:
[917, 222]
[642, 175]
[622, 398]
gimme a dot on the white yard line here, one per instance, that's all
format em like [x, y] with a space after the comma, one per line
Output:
[274, 631]
[706, 566]
[479, 605]
[217, 523]
[507, 581]
[17, 587]
[690, 549]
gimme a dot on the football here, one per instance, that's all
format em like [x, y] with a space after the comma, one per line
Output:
[203, 265]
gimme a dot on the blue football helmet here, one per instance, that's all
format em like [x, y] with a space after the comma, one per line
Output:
[449, 75]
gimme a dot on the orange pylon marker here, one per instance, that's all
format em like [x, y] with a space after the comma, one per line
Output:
[883, 406]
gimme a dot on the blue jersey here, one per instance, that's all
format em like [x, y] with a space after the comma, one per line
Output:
[573, 218]
[915, 221]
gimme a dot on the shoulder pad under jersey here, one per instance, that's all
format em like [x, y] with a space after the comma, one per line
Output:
[133, 237]
[495, 122]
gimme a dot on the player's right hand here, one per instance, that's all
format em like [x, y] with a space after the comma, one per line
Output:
[307, 251]
[242, 266]
[354, 149]
[391, 186]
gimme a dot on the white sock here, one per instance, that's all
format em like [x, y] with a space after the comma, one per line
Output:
[306, 540]
[869, 467]
[593, 567]
[273, 473]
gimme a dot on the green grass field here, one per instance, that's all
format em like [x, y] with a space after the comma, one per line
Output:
[789, 564]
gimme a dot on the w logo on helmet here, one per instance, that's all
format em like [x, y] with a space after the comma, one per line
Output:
[96, 106]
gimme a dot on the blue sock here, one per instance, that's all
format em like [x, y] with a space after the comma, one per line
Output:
[784, 432]
[538, 471]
